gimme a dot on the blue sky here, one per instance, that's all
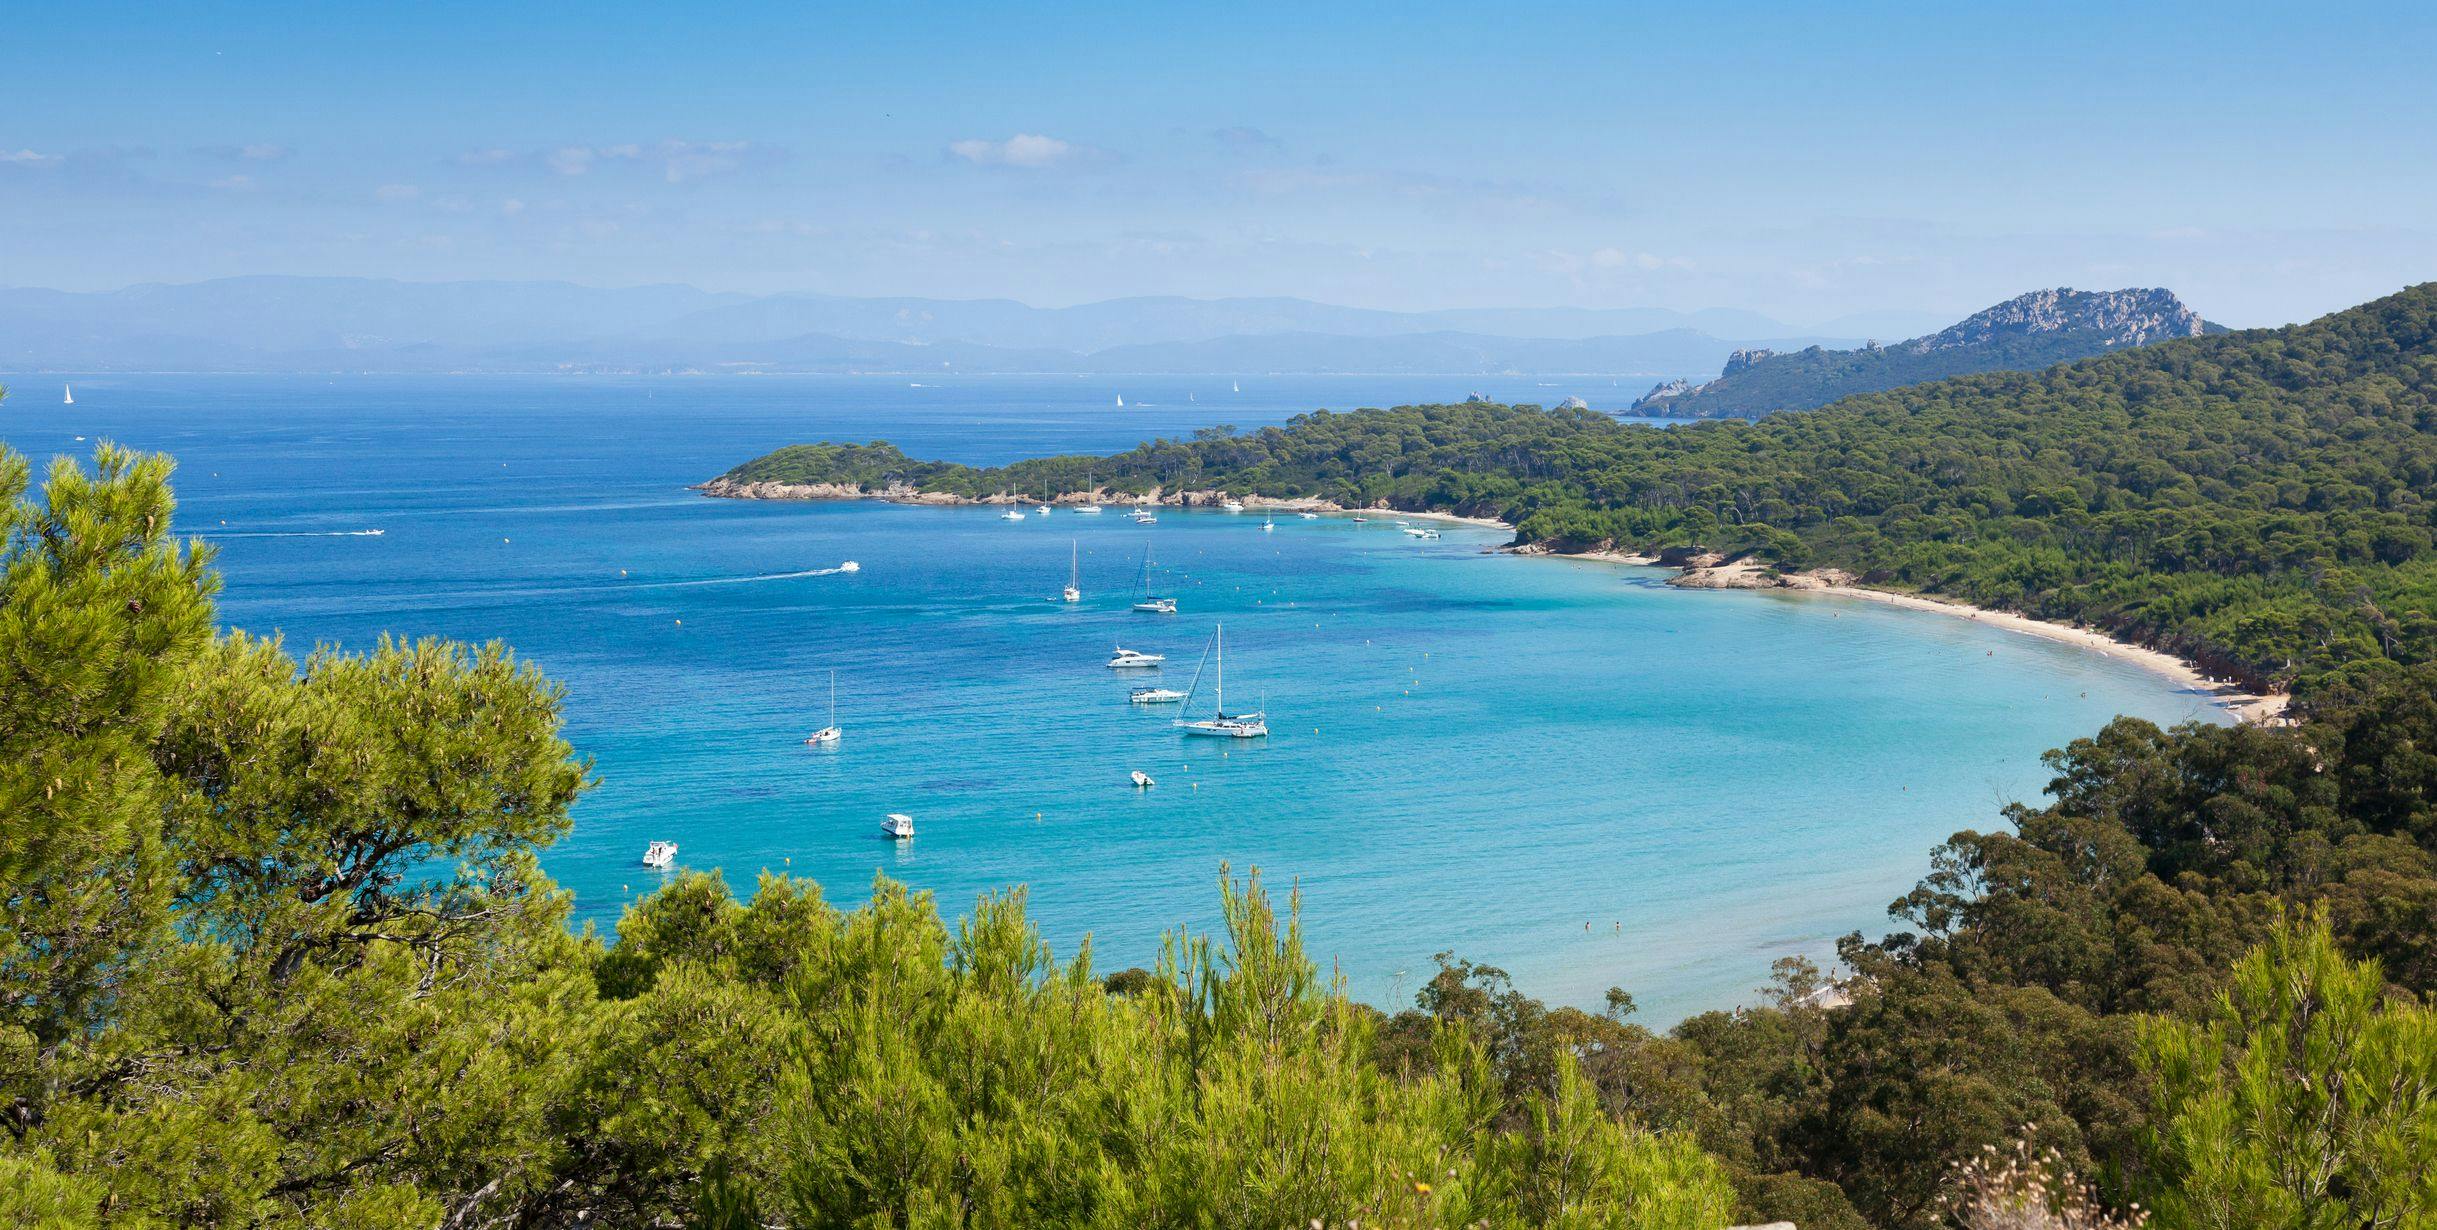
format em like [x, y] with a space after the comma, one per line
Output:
[2269, 163]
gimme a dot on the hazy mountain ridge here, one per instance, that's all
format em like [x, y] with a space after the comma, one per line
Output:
[2027, 332]
[359, 324]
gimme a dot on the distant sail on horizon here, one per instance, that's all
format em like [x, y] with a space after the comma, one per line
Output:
[67, 395]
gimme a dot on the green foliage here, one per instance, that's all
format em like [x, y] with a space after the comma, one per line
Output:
[277, 952]
[2304, 1099]
[2255, 500]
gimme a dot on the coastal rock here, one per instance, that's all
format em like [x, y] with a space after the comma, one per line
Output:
[1573, 403]
[1663, 392]
[1743, 358]
[1733, 574]
[2118, 318]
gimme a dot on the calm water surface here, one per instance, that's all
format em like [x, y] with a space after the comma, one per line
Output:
[1562, 768]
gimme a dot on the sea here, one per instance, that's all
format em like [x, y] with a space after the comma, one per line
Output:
[1564, 769]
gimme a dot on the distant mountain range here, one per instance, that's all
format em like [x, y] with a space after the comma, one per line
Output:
[2025, 333]
[362, 324]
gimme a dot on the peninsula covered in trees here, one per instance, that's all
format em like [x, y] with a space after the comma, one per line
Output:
[2257, 501]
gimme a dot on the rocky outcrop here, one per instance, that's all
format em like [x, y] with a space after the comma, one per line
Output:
[1742, 358]
[1573, 403]
[2024, 333]
[2117, 318]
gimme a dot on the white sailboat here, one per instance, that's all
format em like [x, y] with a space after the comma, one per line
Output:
[830, 734]
[1237, 386]
[1121, 401]
[1074, 575]
[68, 394]
[1221, 724]
[1012, 514]
[1145, 601]
[660, 854]
[1267, 525]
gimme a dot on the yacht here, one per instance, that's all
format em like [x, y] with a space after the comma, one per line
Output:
[660, 854]
[1155, 696]
[1126, 658]
[1144, 518]
[1090, 510]
[1220, 723]
[1309, 516]
[1233, 506]
[897, 825]
[1142, 780]
[1145, 601]
[828, 736]
[1074, 575]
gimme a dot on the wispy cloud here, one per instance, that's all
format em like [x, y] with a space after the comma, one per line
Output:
[397, 192]
[28, 158]
[1242, 138]
[676, 161]
[1029, 150]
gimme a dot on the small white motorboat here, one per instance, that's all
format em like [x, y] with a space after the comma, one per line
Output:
[1233, 506]
[898, 826]
[1309, 516]
[850, 566]
[1012, 514]
[1128, 658]
[1362, 520]
[1142, 780]
[660, 855]
[1089, 510]
[1155, 696]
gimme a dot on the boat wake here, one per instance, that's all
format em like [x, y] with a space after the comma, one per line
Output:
[293, 533]
[848, 566]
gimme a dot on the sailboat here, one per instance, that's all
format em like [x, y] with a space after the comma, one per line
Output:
[69, 394]
[1239, 385]
[1220, 723]
[1074, 575]
[1148, 603]
[1121, 401]
[829, 735]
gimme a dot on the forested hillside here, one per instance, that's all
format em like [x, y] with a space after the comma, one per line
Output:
[2256, 500]
[2024, 333]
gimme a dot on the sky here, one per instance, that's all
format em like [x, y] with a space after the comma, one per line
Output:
[1812, 162]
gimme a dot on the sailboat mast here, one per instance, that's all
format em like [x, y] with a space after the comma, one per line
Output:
[1219, 678]
[833, 698]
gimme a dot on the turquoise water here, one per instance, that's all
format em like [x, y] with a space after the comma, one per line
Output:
[1563, 768]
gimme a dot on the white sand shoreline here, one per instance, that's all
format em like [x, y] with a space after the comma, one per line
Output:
[2244, 705]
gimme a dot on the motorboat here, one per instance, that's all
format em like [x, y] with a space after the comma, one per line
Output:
[1012, 514]
[1309, 516]
[660, 855]
[1142, 780]
[897, 826]
[1125, 659]
[1155, 696]
[1089, 510]
[1233, 506]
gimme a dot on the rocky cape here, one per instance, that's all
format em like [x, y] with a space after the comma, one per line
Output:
[2024, 333]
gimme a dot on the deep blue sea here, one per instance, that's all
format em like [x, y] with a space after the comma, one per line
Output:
[1562, 768]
